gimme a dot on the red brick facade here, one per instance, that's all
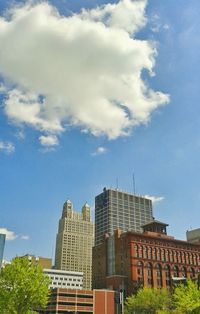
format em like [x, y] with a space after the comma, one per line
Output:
[150, 259]
[67, 301]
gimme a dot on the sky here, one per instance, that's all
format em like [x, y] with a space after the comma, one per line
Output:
[92, 92]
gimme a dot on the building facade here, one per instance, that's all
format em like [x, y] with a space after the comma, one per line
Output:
[2, 245]
[43, 262]
[147, 259]
[67, 301]
[74, 242]
[193, 236]
[64, 279]
[117, 209]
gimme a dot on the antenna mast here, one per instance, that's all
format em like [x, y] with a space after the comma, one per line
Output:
[133, 183]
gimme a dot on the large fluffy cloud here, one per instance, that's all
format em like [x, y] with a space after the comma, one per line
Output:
[83, 70]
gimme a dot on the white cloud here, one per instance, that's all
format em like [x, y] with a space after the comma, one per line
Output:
[155, 199]
[157, 24]
[48, 140]
[7, 147]
[10, 235]
[128, 15]
[82, 70]
[99, 151]
[24, 237]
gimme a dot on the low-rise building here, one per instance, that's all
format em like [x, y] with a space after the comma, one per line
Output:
[67, 301]
[64, 279]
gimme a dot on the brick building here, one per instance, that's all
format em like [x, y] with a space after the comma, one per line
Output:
[150, 259]
[67, 301]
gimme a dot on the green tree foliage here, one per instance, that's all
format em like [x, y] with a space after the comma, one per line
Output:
[148, 301]
[23, 287]
[187, 298]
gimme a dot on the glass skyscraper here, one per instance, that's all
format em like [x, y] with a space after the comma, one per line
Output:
[2, 245]
[116, 209]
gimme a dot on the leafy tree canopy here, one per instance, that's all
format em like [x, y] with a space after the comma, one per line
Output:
[148, 301]
[187, 297]
[23, 287]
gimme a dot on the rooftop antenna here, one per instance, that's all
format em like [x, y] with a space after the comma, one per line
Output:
[133, 183]
[117, 183]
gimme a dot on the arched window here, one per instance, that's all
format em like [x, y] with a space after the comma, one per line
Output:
[150, 253]
[184, 271]
[175, 271]
[140, 273]
[167, 255]
[170, 256]
[136, 250]
[141, 251]
[155, 253]
[145, 252]
[159, 275]
[149, 275]
[159, 254]
[192, 272]
[194, 259]
[168, 275]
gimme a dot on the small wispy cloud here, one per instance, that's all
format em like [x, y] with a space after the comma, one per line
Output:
[20, 135]
[99, 151]
[48, 140]
[10, 235]
[155, 199]
[157, 24]
[7, 147]
[24, 237]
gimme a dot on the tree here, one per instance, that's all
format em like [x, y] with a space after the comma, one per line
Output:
[148, 301]
[187, 297]
[23, 287]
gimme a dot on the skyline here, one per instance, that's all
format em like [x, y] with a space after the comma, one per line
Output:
[51, 151]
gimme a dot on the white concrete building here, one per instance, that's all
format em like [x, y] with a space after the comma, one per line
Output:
[64, 279]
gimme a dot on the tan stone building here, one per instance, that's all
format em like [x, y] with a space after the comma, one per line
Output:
[43, 262]
[74, 242]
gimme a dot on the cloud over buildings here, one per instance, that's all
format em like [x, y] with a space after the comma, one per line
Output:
[83, 70]
[10, 235]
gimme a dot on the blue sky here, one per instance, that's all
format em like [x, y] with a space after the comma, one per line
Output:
[44, 161]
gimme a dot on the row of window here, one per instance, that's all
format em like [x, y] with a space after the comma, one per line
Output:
[166, 255]
[170, 272]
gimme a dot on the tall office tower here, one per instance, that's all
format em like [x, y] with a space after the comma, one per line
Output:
[74, 242]
[115, 209]
[2, 244]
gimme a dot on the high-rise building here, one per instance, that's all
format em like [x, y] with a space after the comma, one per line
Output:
[2, 245]
[118, 209]
[74, 242]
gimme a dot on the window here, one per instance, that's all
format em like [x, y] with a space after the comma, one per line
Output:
[159, 275]
[149, 275]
